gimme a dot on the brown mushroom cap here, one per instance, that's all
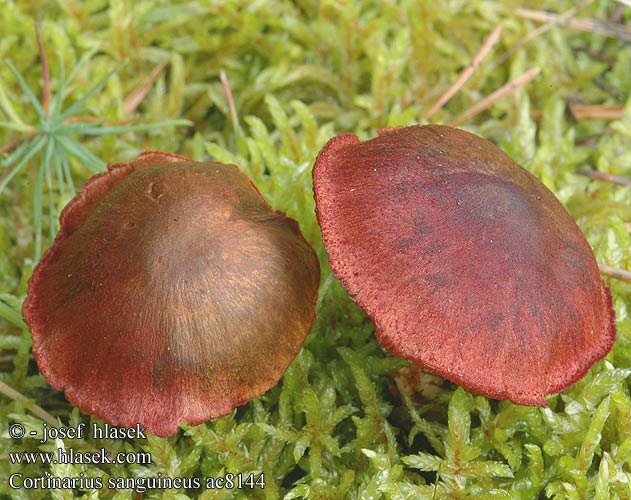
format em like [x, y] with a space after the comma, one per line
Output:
[173, 292]
[466, 263]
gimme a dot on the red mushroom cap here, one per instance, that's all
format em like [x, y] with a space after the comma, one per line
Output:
[173, 292]
[466, 263]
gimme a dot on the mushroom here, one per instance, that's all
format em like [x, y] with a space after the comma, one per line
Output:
[173, 292]
[465, 262]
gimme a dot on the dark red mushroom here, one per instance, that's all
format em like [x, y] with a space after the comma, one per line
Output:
[173, 292]
[466, 263]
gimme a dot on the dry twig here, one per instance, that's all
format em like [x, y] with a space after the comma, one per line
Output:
[137, 95]
[602, 176]
[614, 272]
[604, 28]
[37, 410]
[541, 30]
[486, 47]
[496, 96]
[226, 88]
[597, 111]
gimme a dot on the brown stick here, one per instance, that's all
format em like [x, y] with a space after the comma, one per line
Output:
[226, 88]
[45, 70]
[614, 272]
[496, 96]
[486, 47]
[618, 31]
[137, 95]
[602, 176]
[597, 111]
[9, 391]
[541, 30]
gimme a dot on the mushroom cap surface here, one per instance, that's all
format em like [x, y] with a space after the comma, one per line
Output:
[465, 262]
[173, 292]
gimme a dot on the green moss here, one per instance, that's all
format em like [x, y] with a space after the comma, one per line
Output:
[301, 72]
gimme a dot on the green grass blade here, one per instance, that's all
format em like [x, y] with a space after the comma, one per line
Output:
[27, 90]
[7, 107]
[38, 189]
[76, 106]
[46, 165]
[59, 173]
[90, 161]
[80, 65]
[58, 98]
[15, 155]
[36, 146]
[91, 129]
[11, 315]
[19, 127]
[62, 158]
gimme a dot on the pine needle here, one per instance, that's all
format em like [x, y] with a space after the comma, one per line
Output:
[486, 47]
[133, 100]
[496, 96]
[596, 26]
[603, 176]
[597, 112]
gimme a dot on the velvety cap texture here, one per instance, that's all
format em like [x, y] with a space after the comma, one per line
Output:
[466, 263]
[172, 293]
